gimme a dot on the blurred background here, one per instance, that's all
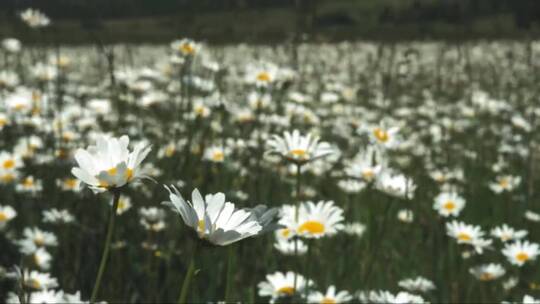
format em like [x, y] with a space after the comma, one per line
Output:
[268, 21]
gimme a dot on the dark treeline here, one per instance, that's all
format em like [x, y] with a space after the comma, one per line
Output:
[525, 12]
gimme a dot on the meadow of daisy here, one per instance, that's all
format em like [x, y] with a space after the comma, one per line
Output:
[293, 173]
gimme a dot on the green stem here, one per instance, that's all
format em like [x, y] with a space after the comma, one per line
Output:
[230, 275]
[296, 212]
[187, 279]
[104, 256]
[307, 268]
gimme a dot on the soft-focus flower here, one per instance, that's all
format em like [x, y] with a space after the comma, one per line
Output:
[506, 233]
[298, 148]
[418, 284]
[449, 204]
[278, 285]
[214, 220]
[109, 164]
[34, 18]
[519, 253]
[330, 296]
[487, 272]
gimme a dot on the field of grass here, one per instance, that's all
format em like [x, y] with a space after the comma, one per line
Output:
[397, 173]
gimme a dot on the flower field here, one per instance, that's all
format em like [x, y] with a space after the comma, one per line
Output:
[294, 173]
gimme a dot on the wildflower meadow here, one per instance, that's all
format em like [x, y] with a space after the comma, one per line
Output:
[347, 172]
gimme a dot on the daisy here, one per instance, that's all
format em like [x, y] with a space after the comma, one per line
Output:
[152, 218]
[505, 183]
[449, 204]
[397, 185]
[214, 154]
[57, 216]
[351, 185]
[418, 284]
[185, 47]
[405, 216]
[38, 280]
[262, 75]
[382, 135]
[7, 213]
[214, 220]
[34, 18]
[315, 220]
[527, 299]
[355, 229]
[330, 297]
[298, 148]
[69, 184]
[487, 272]
[506, 233]
[34, 238]
[11, 45]
[519, 253]
[463, 233]
[124, 204]
[42, 259]
[287, 247]
[29, 185]
[363, 165]
[109, 164]
[278, 285]
[10, 161]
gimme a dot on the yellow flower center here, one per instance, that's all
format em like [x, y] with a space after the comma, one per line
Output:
[286, 232]
[264, 77]
[8, 177]
[312, 227]
[299, 153]
[28, 182]
[486, 276]
[368, 174]
[112, 171]
[504, 183]
[8, 164]
[39, 241]
[328, 301]
[199, 110]
[187, 49]
[522, 257]
[449, 205]
[286, 290]
[33, 283]
[464, 237]
[381, 135]
[129, 174]
[218, 156]
[201, 226]
[3, 217]
[3, 122]
[70, 183]
[169, 151]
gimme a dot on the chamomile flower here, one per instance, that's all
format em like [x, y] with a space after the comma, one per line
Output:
[109, 164]
[314, 220]
[185, 47]
[215, 154]
[487, 272]
[504, 183]
[382, 135]
[363, 166]
[35, 238]
[354, 229]
[287, 247]
[152, 218]
[214, 220]
[506, 233]
[397, 185]
[279, 285]
[9, 162]
[124, 204]
[463, 233]
[262, 75]
[38, 280]
[518, 253]
[69, 184]
[7, 213]
[57, 216]
[330, 296]
[42, 259]
[449, 204]
[34, 18]
[418, 284]
[405, 216]
[298, 148]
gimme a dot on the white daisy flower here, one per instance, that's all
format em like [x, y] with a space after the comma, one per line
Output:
[287, 247]
[330, 296]
[7, 213]
[109, 164]
[39, 280]
[213, 219]
[505, 183]
[487, 272]
[506, 233]
[418, 284]
[463, 233]
[298, 148]
[397, 185]
[519, 253]
[34, 238]
[449, 204]
[314, 220]
[280, 284]
[185, 47]
[34, 18]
